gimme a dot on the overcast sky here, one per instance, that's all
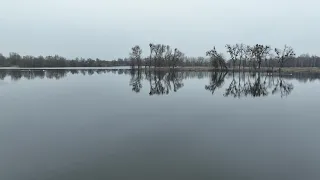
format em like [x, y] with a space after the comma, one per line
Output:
[107, 29]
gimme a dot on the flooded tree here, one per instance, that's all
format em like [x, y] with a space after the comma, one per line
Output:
[217, 60]
[242, 54]
[159, 51]
[259, 52]
[135, 57]
[284, 55]
[151, 54]
[234, 53]
[177, 58]
[247, 57]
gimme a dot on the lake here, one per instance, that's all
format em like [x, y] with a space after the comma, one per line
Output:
[122, 124]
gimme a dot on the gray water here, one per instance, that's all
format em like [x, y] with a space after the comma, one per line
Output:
[119, 124]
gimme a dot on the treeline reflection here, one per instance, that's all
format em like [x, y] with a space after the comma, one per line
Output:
[232, 84]
[160, 82]
[241, 85]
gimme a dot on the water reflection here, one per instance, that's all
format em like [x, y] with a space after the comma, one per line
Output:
[256, 85]
[216, 81]
[236, 85]
[162, 82]
[135, 80]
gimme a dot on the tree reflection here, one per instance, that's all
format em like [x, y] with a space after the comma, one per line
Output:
[160, 82]
[256, 88]
[283, 87]
[254, 85]
[235, 88]
[56, 73]
[157, 84]
[165, 82]
[135, 80]
[176, 79]
[216, 81]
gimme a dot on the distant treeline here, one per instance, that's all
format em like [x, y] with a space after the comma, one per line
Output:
[159, 55]
[14, 59]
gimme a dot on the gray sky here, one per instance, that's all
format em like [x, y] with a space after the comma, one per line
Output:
[107, 29]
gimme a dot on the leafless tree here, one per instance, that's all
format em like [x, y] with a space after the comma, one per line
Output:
[159, 51]
[216, 59]
[177, 58]
[259, 52]
[135, 56]
[234, 53]
[284, 55]
[242, 54]
[151, 53]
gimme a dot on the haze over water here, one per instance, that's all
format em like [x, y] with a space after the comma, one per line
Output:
[122, 124]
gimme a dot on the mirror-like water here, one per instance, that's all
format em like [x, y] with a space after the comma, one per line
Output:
[123, 124]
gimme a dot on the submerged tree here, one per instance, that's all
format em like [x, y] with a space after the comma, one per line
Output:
[283, 55]
[216, 59]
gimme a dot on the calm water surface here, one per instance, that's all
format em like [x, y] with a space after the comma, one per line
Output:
[120, 124]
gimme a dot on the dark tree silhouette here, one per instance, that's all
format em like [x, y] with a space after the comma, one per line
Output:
[135, 57]
[216, 59]
[259, 52]
[284, 55]
[234, 53]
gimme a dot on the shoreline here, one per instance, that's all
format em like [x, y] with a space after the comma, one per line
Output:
[195, 68]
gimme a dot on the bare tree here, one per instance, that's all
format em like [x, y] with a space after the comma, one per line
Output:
[242, 53]
[283, 55]
[135, 56]
[151, 52]
[159, 51]
[234, 53]
[168, 56]
[216, 59]
[259, 52]
[247, 60]
[177, 58]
